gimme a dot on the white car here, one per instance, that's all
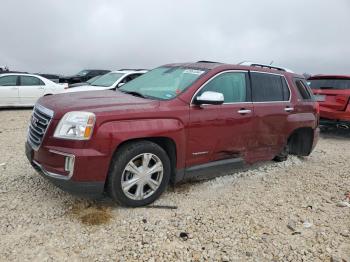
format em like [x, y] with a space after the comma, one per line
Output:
[20, 89]
[109, 81]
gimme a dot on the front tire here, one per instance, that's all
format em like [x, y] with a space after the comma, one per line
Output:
[139, 174]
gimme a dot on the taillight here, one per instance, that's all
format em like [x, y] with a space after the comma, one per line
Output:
[317, 108]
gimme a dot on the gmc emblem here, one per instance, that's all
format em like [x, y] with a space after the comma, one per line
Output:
[34, 121]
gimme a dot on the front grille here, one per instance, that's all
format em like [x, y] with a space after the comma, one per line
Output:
[39, 122]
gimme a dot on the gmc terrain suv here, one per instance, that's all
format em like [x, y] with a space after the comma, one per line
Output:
[333, 94]
[172, 123]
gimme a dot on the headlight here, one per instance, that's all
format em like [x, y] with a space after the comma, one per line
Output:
[76, 126]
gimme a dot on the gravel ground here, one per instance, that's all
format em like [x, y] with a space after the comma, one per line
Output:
[290, 211]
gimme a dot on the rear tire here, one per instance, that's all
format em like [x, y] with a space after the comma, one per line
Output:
[139, 174]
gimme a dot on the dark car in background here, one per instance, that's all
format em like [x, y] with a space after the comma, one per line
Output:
[333, 94]
[83, 76]
[52, 77]
[87, 83]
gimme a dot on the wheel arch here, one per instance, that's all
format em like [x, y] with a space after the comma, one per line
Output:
[166, 143]
[300, 141]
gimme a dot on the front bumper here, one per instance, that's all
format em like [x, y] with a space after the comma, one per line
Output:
[62, 178]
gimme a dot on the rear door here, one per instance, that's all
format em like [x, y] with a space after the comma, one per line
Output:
[272, 106]
[331, 93]
[9, 90]
[31, 88]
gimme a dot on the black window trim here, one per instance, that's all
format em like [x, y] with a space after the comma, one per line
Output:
[307, 88]
[248, 86]
[285, 79]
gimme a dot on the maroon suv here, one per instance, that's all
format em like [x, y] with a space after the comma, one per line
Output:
[174, 122]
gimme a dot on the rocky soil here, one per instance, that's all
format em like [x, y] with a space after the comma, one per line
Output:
[297, 210]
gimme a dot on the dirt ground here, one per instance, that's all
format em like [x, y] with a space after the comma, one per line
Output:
[291, 211]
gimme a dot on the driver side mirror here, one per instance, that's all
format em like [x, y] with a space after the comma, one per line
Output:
[120, 84]
[210, 98]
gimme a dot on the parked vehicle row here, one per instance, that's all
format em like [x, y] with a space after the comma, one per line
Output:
[333, 94]
[20, 89]
[170, 124]
[83, 76]
[23, 90]
[109, 81]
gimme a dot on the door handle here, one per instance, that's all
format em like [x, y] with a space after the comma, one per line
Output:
[289, 109]
[14, 88]
[244, 111]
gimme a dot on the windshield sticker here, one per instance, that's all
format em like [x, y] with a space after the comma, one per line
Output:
[193, 71]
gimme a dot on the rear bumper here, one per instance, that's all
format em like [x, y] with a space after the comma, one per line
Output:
[64, 182]
[335, 115]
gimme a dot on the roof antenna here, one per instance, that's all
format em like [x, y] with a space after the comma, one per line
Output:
[271, 62]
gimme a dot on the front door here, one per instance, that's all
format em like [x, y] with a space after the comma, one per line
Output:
[224, 131]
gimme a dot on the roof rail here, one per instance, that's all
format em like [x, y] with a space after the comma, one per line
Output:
[247, 63]
[132, 69]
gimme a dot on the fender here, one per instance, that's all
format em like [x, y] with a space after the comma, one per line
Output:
[117, 132]
[300, 120]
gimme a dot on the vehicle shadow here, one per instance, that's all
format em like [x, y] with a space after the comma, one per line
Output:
[335, 133]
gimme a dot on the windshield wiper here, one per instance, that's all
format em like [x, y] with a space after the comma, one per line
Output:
[134, 93]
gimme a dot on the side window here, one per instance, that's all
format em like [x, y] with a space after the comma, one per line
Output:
[303, 90]
[31, 81]
[232, 85]
[133, 76]
[126, 79]
[269, 88]
[8, 81]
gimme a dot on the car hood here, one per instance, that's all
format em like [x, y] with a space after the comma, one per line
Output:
[98, 102]
[85, 88]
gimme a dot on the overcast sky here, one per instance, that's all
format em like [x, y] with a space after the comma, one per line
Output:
[69, 35]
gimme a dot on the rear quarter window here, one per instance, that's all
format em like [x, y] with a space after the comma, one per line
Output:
[303, 90]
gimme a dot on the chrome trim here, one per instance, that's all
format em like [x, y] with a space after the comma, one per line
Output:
[206, 82]
[249, 63]
[246, 102]
[244, 111]
[71, 156]
[50, 174]
[45, 110]
[289, 109]
[200, 153]
[50, 114]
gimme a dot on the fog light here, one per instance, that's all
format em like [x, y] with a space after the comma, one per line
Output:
[69, 164]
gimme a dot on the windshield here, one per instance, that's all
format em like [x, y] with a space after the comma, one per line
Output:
[329, 83]
[93, 79]
[107, 79]
[164, 82]
[83, 73]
